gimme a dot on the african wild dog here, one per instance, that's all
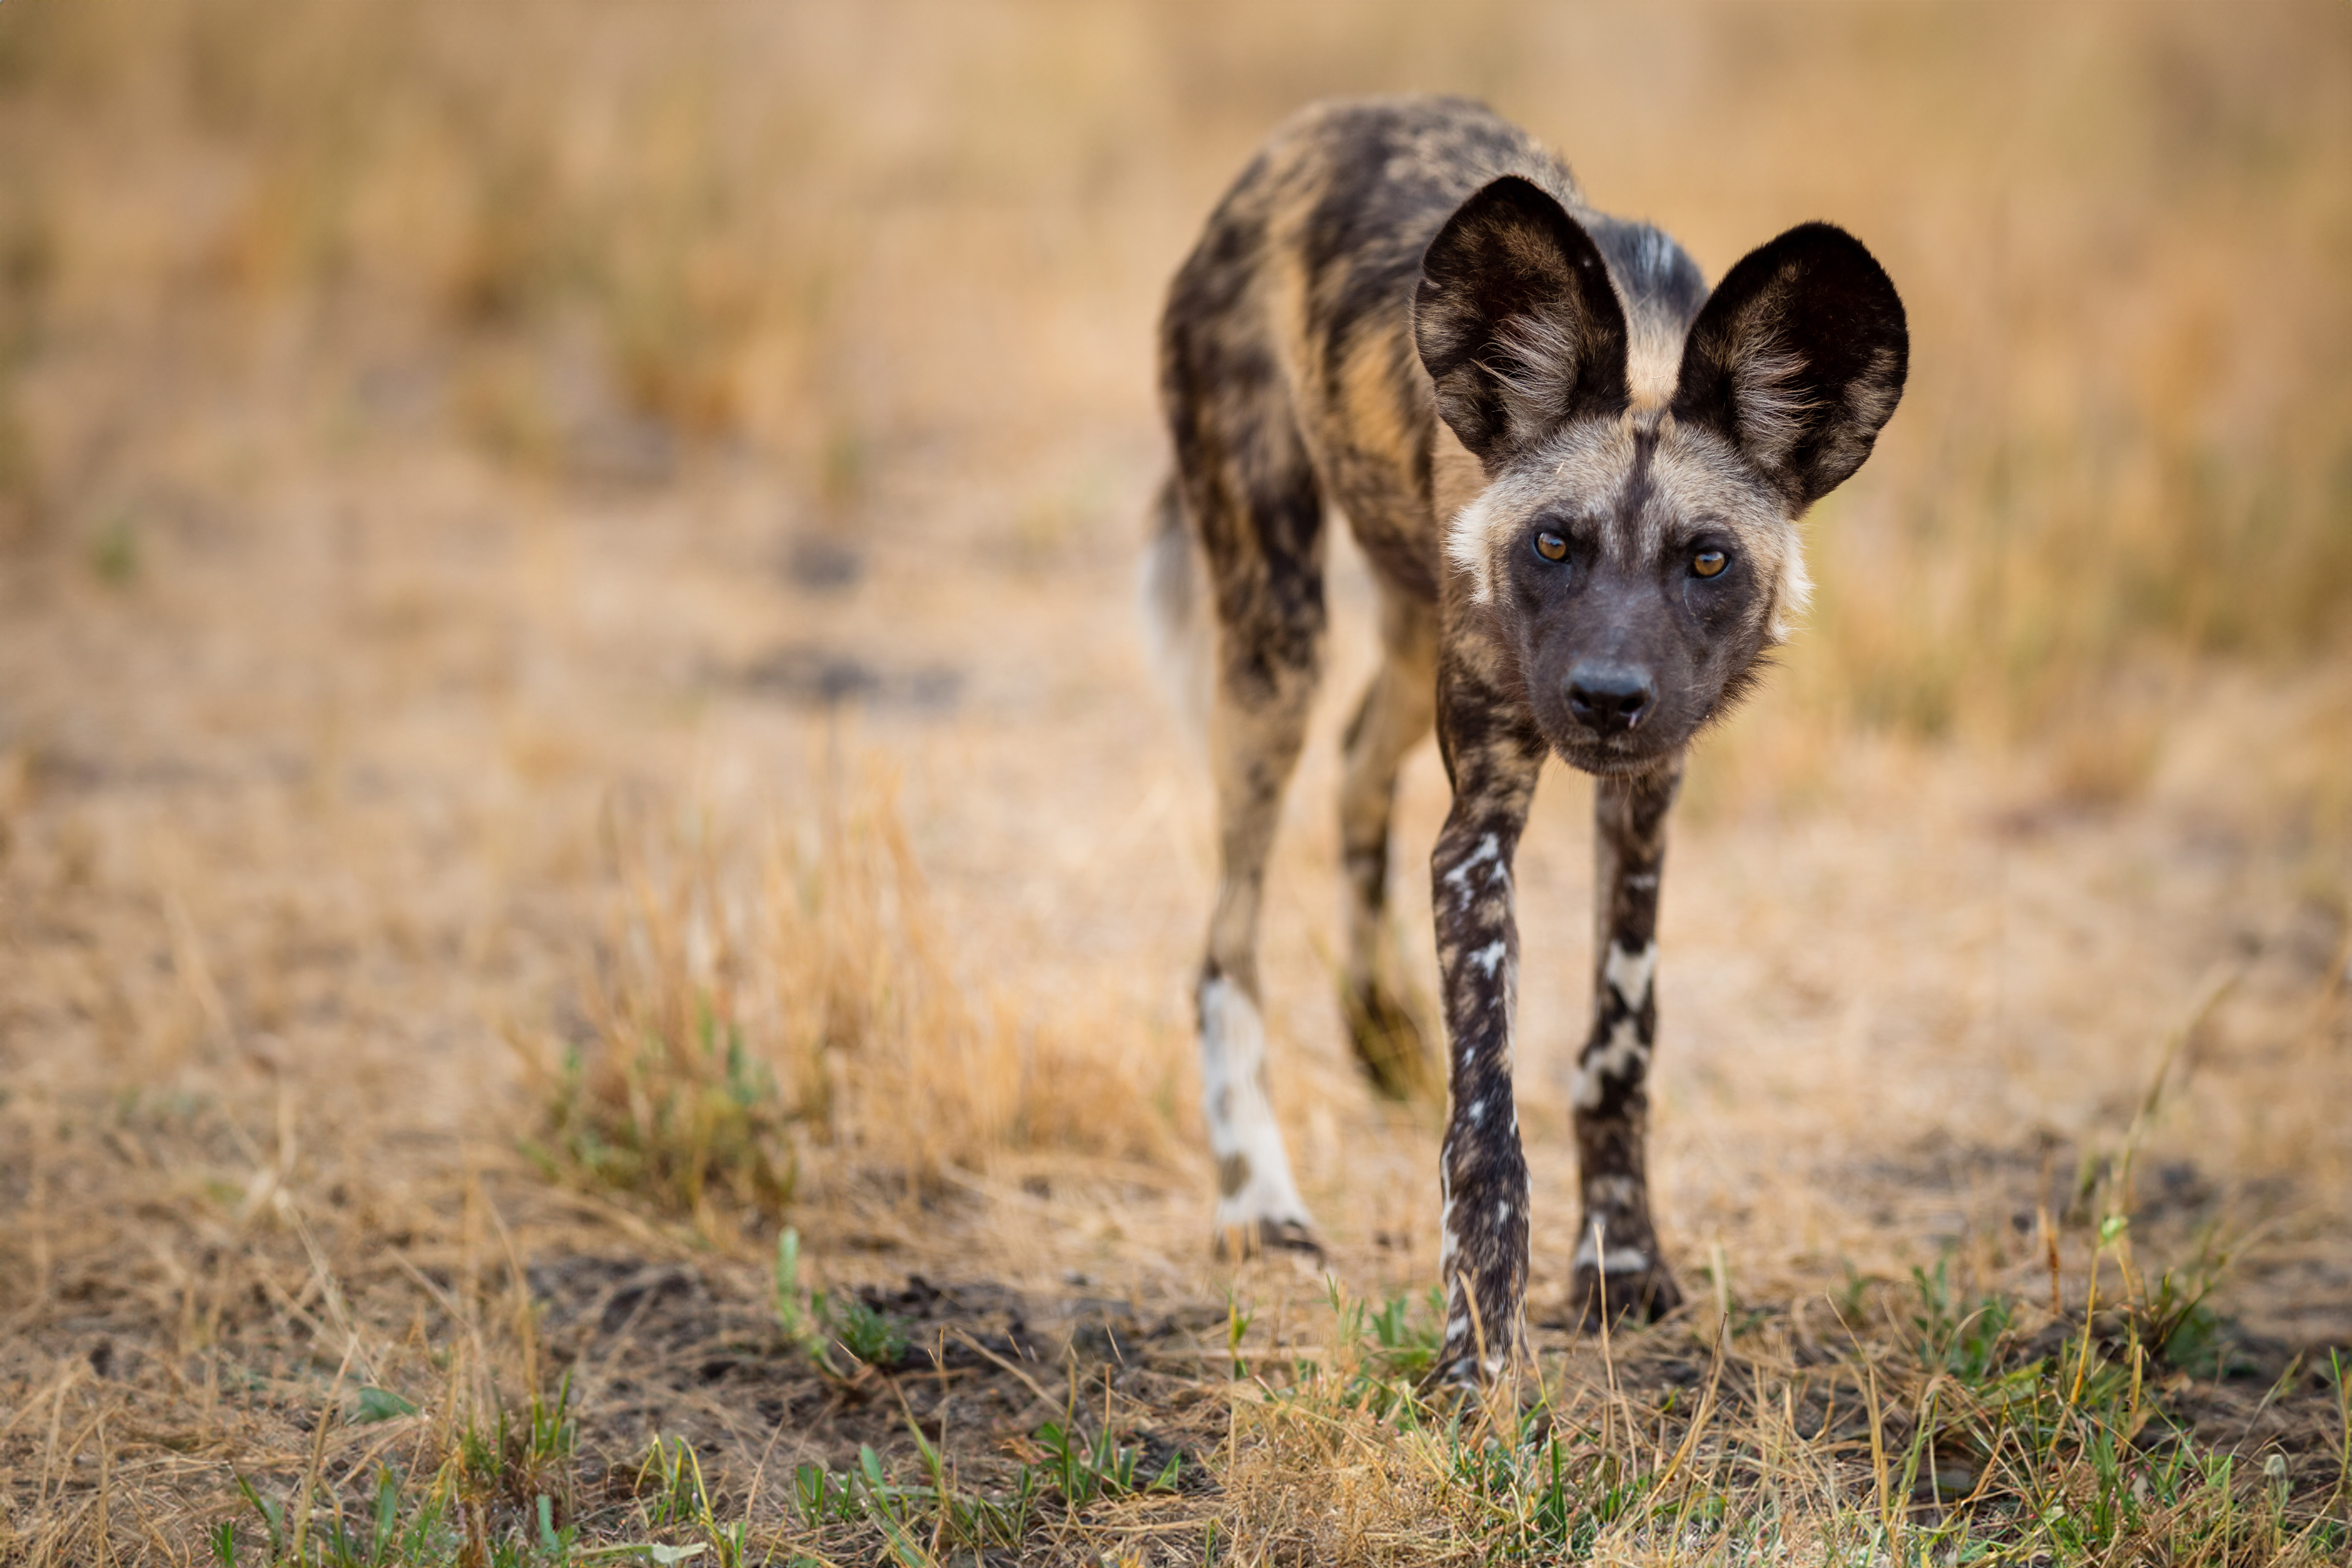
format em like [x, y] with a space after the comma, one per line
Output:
[1575, 472]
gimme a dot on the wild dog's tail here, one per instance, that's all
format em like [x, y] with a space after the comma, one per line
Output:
[1175, 622]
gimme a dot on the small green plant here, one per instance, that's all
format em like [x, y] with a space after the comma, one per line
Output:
[1237, 1326]
[1408, 1349]
[519, 1460]
[907, 1514]
[1965, 1339]
[401, 1528]
[2179, 1323]
[1082, 1471]
[672, 1117]
[820, 1324]
[1380, 1354]
[380, 1404]
[677, 1495]
[873, 1336]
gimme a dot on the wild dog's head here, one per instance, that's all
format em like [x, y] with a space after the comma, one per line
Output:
[1635, 541]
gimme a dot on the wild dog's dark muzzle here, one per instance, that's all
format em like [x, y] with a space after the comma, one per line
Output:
[1611, 698]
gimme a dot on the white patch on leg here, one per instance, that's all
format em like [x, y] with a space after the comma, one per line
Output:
[1611, 1192]
[1488, 956]
[1489, 848]
[1629, 973]
[1616, 1261]
[1242, 1134]
[1625, 1057]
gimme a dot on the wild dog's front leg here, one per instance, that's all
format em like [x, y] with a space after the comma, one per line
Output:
[1619, 1267]
[1493, 759]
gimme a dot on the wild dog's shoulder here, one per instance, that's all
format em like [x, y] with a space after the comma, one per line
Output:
[1368, 181]
[1371, 181]
[1445, 143]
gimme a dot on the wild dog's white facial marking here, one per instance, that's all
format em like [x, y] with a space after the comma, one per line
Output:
[1794, 595]
[1254, 1178]
[1625, 1057]
[1469, 539]
[1488, 957]
[1629, 973]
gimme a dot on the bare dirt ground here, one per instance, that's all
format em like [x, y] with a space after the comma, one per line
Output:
[340, 748]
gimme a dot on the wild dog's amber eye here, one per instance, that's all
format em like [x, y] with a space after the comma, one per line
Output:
[1707, 562]
[1551, 546]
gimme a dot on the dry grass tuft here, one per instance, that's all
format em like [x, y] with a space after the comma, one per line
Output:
[763, 1010]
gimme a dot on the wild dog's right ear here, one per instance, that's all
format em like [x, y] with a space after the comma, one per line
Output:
[1517, 321]
[1798, 359]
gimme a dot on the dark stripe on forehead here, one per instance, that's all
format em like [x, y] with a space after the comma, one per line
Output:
[1635, 498]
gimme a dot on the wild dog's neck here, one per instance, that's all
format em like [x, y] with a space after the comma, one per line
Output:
[1456, 478]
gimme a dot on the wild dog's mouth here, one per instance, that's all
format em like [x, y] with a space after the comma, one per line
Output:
[1636, 752]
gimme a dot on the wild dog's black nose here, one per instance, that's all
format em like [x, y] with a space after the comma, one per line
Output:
[1610, 698]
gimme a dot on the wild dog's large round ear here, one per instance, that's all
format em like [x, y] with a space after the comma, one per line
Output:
[1798, 359]
[1517, 321]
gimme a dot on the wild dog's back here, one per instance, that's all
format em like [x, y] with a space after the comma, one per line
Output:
[1304, 276]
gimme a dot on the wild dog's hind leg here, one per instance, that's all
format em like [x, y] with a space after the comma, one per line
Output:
[1250, 492]
[1617, 1258]
[1397, 713]
[1257, 720]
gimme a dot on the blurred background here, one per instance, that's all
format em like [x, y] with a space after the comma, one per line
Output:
[850, 246]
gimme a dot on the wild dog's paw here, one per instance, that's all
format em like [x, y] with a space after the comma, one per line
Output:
[1455, 1382]
[1620, 1271]
[1509, 1393]
[1236, 1239]
[1390, 1046]
[1646, 1293]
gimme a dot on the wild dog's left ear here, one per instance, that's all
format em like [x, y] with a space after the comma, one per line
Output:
[1798, 359]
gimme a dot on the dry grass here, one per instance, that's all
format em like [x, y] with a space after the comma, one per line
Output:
[761, 1010]
[566, 705]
